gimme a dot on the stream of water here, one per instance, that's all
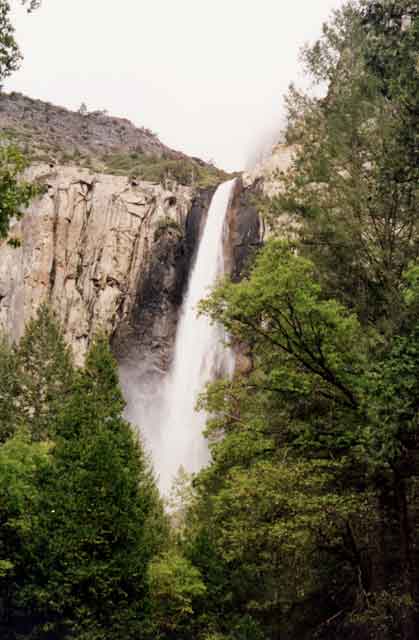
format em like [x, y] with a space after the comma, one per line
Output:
[163, 406]
[200, 354]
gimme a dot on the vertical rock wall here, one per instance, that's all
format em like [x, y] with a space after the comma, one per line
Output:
[114, 255]
[87, 246]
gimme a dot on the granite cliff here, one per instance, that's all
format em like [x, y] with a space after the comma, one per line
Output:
[87, 246]
[112, 252]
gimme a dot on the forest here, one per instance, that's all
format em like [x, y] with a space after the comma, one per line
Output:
[304, 526]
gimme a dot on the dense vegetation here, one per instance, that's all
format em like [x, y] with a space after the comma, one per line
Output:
[304, 526]
[185, 171]
[80, 516]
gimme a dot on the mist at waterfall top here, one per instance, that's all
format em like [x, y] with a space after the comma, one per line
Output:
[207, 77]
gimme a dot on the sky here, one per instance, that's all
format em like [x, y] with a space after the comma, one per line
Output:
[208, 76]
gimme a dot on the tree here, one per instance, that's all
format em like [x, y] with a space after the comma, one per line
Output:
[8, 376]
[15, 193]
[10, 56]
[392, 30]
[80, 515]
[43, 375]
[20, 463]
[353, 183]
[175, 586]
[97, 527]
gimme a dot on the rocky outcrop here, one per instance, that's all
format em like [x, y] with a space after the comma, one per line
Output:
[114, 252]
[96, 247]
[265, 176]
[148, 331]
[264, 183]
[245, 230]
[101, 143]
[42, 124]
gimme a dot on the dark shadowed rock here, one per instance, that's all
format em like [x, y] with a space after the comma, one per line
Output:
[244, 235]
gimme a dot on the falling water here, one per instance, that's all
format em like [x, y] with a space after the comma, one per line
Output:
[164, 409]
[200, 354]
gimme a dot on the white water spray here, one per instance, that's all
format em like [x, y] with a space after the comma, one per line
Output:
[200, 354]
[164, 409]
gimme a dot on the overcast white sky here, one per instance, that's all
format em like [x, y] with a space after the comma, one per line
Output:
[207, 76]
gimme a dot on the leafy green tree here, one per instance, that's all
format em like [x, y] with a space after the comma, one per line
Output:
[20, 463]
[392, 29]
[324, 391]
[9, 51]
[175, 586]
[97, 528]
[80, 515]
[353, 186]
[15, 193]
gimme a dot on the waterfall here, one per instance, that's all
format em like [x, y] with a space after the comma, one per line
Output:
[200, 354]
[164, 409]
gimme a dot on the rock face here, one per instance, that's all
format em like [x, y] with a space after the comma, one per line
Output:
[96, 247]
[114, 252]
[245, 230]
[148, 331]
[246, 227]
[265, 175]
[263, 183]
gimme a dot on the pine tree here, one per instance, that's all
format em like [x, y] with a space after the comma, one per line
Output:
[99, 522]
[8, 390]
[44, 374]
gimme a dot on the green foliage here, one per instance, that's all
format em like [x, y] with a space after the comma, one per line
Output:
[392, 29]
[20, 462]
[305, 345]
[186, 171]
[306, 519]
[8, 390]
[43, 374]
[175, 585]
[14, 193]
[353, 186]
[36, 376]
[80, 516]
[10, 56]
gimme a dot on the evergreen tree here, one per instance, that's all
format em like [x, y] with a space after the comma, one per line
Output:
[44, 374]
[8, 390]
[92, 540]
[80, 516]
[21, 462]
